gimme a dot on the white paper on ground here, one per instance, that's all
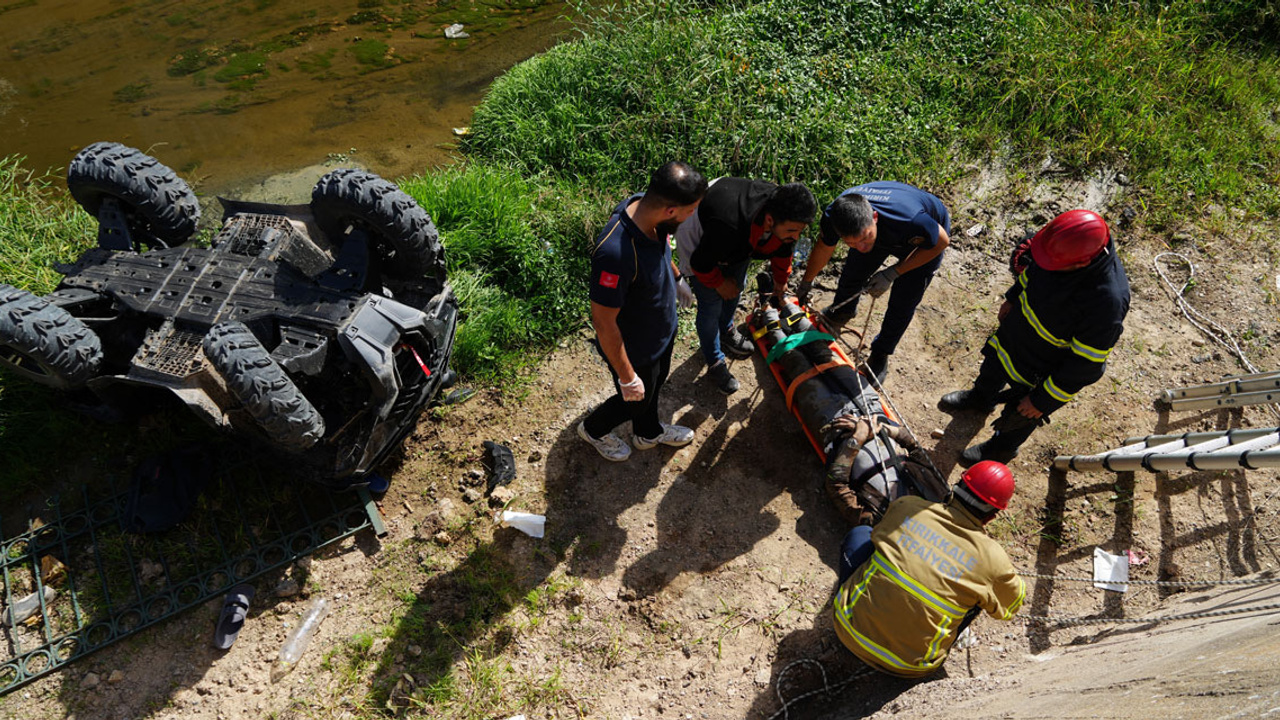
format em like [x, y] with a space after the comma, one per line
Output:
[1110, 572]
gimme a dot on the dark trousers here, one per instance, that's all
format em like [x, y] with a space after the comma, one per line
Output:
[904, 295]
[855, 550]
[990, 381]
[643, 414]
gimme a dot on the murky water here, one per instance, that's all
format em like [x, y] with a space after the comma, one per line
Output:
[230, 91]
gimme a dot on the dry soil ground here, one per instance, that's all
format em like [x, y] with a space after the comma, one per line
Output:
[680, 584]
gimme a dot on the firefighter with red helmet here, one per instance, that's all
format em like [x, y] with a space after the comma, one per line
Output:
[1058, 324]
[911, 585]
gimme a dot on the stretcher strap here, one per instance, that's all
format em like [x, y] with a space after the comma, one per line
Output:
[809, 375]
[792, 342]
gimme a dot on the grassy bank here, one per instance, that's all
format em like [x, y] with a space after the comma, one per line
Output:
[1181, 95]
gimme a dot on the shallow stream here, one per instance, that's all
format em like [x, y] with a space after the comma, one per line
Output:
[229, 92]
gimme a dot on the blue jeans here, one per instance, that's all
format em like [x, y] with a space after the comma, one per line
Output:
[715, 314]
[904, 295]
[855, 550]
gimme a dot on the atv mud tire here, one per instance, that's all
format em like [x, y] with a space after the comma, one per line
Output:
[408, 246]
[262, 386]
[161, 207]
[44, 343]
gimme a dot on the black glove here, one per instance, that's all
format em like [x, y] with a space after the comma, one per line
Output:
[802, 291]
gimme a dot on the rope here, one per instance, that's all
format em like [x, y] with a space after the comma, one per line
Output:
[827, 687]
[1165, 583]
[1069, 621]
[1199, 320]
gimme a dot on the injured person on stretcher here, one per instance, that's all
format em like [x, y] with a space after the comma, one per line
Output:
[871, 459]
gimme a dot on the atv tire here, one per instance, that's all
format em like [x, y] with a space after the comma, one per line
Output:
[160, 206]
[262, 386]
[408, 246]
[44, 343]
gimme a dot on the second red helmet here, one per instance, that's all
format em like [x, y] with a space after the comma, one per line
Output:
[991, 481]
[1074, 237]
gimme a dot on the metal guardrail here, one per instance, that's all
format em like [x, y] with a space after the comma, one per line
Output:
[88, 583]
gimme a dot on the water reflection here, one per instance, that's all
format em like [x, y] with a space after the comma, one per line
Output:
[231, 91]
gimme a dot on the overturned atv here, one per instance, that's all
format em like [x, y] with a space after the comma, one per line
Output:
[322, 329]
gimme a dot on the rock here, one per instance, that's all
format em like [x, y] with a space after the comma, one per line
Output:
[414, 650]
[975, 230]
[1202, 358]
[287, 588]
[535, 456]
[1122, 179]
[115, 678]
[447, 508]
[472, 496]
[937, 433]
[475, 475]
[762, 677]
[443, 539]
[1198, 342]
[90, 681]
[501, 496]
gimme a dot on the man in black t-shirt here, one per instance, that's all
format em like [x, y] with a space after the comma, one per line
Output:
[740, 220]
[633, 310]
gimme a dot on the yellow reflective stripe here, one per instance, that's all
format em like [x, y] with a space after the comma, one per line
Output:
[1089, 353]
[1056, 392]
[934, 647]
[1017, 604]
[1022, 278]
[1040, 329]
[994, 342]
[906, 582]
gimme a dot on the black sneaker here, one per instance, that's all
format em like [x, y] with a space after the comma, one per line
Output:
[879, 366]
[736, 344]
[840, 312]
[724, 380]
[976, 454]
[961, 400]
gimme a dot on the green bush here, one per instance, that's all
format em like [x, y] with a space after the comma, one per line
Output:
[837, 93]
[520, 277]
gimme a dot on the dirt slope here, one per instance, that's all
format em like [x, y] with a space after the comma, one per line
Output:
[682, 584]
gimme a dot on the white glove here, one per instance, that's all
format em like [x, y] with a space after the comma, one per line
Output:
[633, 391]
[880, 282]
[684, 294]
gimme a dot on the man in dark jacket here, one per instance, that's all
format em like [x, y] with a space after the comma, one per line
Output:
[738, 221]
[1058, 324]
[633, 310]
[878, 220]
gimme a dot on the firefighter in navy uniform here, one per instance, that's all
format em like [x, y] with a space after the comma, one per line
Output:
[910, 585]
[1058, 324]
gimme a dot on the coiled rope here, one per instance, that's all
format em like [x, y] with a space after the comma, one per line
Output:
[827, 686]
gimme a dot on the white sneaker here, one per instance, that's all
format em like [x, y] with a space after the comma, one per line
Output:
[611, 447]
[672, 435]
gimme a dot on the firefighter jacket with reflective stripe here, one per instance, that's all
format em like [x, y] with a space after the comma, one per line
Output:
[1062, 327]
[932, 564]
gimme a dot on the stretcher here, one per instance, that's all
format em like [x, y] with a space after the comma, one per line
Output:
[821, 383]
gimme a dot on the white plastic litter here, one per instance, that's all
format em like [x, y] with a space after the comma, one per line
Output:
[455, 32]
[1110, 572]
[527, 523]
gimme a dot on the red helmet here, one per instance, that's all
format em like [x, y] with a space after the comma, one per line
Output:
[991, 481]
[1073, 237]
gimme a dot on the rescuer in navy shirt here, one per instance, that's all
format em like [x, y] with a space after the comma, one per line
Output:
[876, 220]
[633, 310]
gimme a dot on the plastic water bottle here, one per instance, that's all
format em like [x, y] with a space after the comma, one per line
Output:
[296, 644]
[802, 250]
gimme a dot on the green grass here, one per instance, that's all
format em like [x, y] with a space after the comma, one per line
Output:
[517, 258]
[1182, 97]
